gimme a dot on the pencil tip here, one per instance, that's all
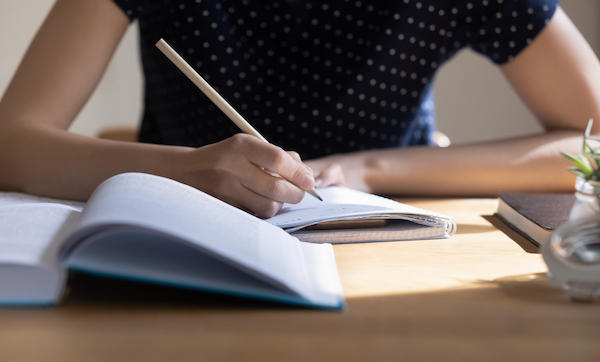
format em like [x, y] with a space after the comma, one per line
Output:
[313, 192]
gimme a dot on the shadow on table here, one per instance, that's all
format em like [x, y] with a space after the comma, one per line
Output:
[525, 244]
[517, 318]
[89, 291]
[86, 290]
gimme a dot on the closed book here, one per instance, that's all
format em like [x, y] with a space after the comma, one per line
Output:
[534, 215]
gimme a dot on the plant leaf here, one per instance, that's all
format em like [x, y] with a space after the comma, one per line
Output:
[581, 162]
[586, 166]
[586, 135]
[571, 157]
[594, 155]
[576, 171]
[588, 128]
[568, 155]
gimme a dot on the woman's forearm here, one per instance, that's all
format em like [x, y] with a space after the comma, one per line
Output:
[52, 162]
[530, 163]
[46, 161]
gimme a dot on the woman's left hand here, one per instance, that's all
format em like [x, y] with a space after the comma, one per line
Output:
[347, 170]
[327, 173]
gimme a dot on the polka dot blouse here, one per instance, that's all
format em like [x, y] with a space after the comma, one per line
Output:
[318, 77]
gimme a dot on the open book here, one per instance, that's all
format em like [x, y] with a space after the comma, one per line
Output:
[148, 228]
[349, 216]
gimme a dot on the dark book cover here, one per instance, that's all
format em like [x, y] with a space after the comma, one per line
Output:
[548, 211]
[529, 218]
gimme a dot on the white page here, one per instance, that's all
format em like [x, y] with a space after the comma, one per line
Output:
[173, 208]
[158, 258]
[28, 230]
[18, 198]
[151, 257]
[323, 273]
[30, 235]
[341, 201]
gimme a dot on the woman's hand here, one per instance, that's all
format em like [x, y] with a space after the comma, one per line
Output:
[247, 173]
[327, 173]
[348, 170]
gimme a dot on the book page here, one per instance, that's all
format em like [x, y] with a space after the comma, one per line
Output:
[341, 202]
[151, 257]
[165, 206]
[18, 198]
[30, 236]
[27, 231]
[323, 273]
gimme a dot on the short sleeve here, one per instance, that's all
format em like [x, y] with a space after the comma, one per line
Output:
[501, 29]
[131, 8]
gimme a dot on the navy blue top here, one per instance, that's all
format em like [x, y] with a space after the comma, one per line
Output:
[315, 76]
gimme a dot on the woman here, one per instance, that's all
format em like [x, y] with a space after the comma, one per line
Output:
[343, 83]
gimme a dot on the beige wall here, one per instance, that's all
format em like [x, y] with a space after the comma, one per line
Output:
[473, 101]
[116, 101]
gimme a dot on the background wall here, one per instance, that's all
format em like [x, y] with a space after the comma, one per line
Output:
[116, 101]
[473, 100]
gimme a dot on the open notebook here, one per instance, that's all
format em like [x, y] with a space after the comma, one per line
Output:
[349, 216]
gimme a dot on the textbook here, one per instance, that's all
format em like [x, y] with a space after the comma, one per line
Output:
[152, 229]
[350, 216]
[534, 216]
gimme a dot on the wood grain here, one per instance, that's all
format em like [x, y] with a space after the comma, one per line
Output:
[476, 296]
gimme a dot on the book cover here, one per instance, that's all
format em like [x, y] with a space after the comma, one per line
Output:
[534, 215]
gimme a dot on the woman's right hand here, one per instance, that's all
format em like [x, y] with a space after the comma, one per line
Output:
[243, 171]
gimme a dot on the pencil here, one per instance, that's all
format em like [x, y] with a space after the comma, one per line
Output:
[214, 96]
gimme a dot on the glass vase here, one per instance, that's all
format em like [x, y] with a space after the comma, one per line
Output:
[587, 203]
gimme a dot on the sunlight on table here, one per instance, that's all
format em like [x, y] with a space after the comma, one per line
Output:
[478, 256]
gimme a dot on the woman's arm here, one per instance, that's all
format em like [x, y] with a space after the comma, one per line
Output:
[558, 77]
[56, 77]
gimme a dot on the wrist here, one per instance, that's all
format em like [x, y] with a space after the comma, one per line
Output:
[176, 163]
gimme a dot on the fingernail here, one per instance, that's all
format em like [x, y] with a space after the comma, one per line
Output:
[318, 182]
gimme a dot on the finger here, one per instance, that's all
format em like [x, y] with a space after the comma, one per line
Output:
[262, 206]
[333, 174]
[251, 202]
[295, 155]
[269, 186]
[296, 158]
[259, 205]
[276, 160]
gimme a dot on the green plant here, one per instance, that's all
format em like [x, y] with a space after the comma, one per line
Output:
[587, 164]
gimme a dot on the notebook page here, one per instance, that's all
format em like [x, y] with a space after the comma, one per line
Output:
[341, 202]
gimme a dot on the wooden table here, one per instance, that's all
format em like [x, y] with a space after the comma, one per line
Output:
[476, 296]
